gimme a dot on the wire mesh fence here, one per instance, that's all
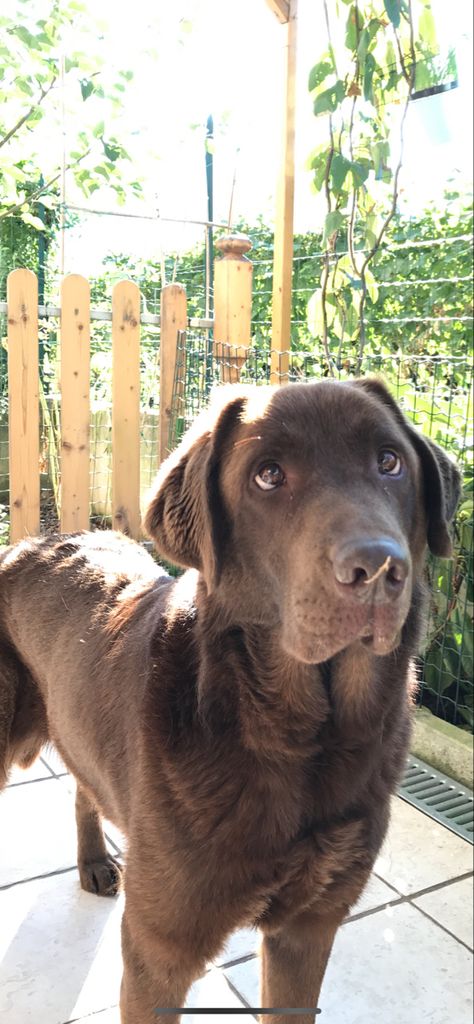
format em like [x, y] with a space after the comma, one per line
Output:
[419, 334]
[436, 394]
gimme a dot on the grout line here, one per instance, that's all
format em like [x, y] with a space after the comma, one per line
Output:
[390, 885]
[37, 878]
[57, 775]
[443, 928]
[240, 997]
[93, 1013]
[240, 960]
[440, 885]
[408, 898]
[116, 848]
[28, 782]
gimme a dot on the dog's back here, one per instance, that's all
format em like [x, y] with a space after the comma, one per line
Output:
[64, 603]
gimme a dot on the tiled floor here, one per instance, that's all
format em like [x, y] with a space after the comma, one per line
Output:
[404, 956]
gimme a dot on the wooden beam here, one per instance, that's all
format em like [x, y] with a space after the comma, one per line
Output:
[283, 248]
[75, 403]
[281, 10]
[23, 404]
[126, 408]
[232, 305]
[174, 318]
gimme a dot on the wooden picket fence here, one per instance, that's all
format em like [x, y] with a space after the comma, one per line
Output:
[233, 295]
[23, 400]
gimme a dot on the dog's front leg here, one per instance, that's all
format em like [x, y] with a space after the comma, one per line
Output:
[154, 975]
[293, 965]
[99, 872]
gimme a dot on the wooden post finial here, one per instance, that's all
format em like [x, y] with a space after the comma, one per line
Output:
[232, 304]
[234, 246]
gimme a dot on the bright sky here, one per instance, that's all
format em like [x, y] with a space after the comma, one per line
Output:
[225, 58]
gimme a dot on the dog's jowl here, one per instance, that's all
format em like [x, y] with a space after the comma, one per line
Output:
[246, 723]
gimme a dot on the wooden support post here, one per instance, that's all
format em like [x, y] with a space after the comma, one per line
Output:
[173, 318]
[232, 305]
[126, 408]
[281, 9]
[75, 403]
[283, 251]
[23, 404]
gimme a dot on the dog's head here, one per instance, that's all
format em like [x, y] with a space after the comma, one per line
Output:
[308, 508]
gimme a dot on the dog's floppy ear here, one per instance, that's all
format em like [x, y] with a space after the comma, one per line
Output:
[441, 477]
[186, 516]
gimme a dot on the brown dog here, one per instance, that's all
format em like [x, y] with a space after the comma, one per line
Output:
[245, 724]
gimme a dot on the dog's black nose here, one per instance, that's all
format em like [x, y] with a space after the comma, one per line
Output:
[373, 570]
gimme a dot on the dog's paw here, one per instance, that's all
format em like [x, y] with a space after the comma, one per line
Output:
[102, 877]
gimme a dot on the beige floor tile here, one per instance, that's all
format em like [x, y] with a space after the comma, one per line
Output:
[38, 830]
[60, 957]
[419, 852]
[452, 906]
[241, 943]
[110, 1016]
[213, 992]
[393, 966]
[246, 941]
[60, 951]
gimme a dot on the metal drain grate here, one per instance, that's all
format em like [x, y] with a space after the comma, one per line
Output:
[440, 797]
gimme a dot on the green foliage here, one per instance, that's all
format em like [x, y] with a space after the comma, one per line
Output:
[46, 93]
[363, 86]
[448, 663]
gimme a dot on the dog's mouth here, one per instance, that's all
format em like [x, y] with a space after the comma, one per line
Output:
[377, 627]
[380, 641]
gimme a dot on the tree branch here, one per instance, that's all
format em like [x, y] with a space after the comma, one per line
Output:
[395, 192]
[16, 127]
[11, 210]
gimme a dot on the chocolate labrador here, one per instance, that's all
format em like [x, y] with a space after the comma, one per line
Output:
[246, 723]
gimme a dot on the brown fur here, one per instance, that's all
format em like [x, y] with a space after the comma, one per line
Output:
[238, 724]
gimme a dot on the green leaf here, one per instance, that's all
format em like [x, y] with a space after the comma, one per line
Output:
[318, 165]
[368, 73]
[393, 9]
[360, 170]
[366, 38]
[340, 167]
[34, 222]
[24, 85]
[87, 88]
[334, 222]
[26, 37]
[319, 73]
[354, 27]
[112, 152]
[329, 100]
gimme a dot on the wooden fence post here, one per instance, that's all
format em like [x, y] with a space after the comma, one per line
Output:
[173, 318]
[283, 249]
[23, 404]
[232, 305]
[126, 408]
[75, 403]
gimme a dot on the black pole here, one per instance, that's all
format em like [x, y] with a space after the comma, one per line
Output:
[209, 239]
[42, 248]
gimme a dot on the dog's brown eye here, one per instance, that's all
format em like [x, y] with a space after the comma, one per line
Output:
[389, 463]
[270, 476]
